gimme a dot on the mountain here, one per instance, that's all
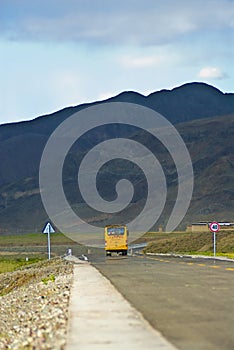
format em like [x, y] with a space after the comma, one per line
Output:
[203, 115]
[21, 144]
[187, 102]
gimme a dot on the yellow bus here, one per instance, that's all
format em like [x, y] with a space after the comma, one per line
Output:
[116, 239]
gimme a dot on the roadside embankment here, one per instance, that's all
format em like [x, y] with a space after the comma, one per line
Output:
[191, 243]
[34, 306]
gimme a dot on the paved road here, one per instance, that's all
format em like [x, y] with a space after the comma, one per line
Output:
[190, 301]
[100, 318]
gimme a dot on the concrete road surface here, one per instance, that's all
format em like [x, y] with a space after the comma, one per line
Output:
[190, 301]
[100, 318]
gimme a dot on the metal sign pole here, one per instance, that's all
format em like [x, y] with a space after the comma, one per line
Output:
[214, 227]
[48, 234]
[48, 229]
[214, 244]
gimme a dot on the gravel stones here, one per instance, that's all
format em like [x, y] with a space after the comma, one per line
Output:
[34, 314]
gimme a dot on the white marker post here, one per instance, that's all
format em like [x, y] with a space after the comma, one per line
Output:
[214, 227]
[48, 229]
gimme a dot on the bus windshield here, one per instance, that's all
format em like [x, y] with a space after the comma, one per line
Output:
[115, 231]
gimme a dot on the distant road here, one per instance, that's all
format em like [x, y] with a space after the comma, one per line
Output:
[190, 301]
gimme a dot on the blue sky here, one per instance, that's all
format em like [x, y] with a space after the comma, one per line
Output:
[57, 53]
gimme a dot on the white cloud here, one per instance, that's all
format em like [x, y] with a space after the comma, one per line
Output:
[211, 73]
[141, 61]
[80, 51]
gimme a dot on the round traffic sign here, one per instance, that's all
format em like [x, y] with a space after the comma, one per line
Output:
[214, 226]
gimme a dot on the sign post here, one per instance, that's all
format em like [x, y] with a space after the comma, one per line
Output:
[48, 229]
[214, 227]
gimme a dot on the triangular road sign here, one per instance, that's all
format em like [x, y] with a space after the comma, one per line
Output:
[48, 228]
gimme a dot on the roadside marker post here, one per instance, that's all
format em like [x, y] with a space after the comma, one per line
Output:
[214, 227]
[48, 229]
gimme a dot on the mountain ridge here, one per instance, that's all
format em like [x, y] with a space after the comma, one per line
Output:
[135, 97]
[203, 115]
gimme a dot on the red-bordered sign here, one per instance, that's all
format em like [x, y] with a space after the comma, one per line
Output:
[214, 226]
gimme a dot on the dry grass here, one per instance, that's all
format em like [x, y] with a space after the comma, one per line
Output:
[191, 243]
[34, 272]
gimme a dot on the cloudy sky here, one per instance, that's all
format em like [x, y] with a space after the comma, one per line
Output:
[57, 53]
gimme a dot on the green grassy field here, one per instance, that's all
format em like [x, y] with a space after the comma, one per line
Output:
[20, 250]
[34, 239]
[12, 263]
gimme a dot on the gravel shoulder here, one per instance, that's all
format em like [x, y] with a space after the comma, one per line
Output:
[34, 306]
